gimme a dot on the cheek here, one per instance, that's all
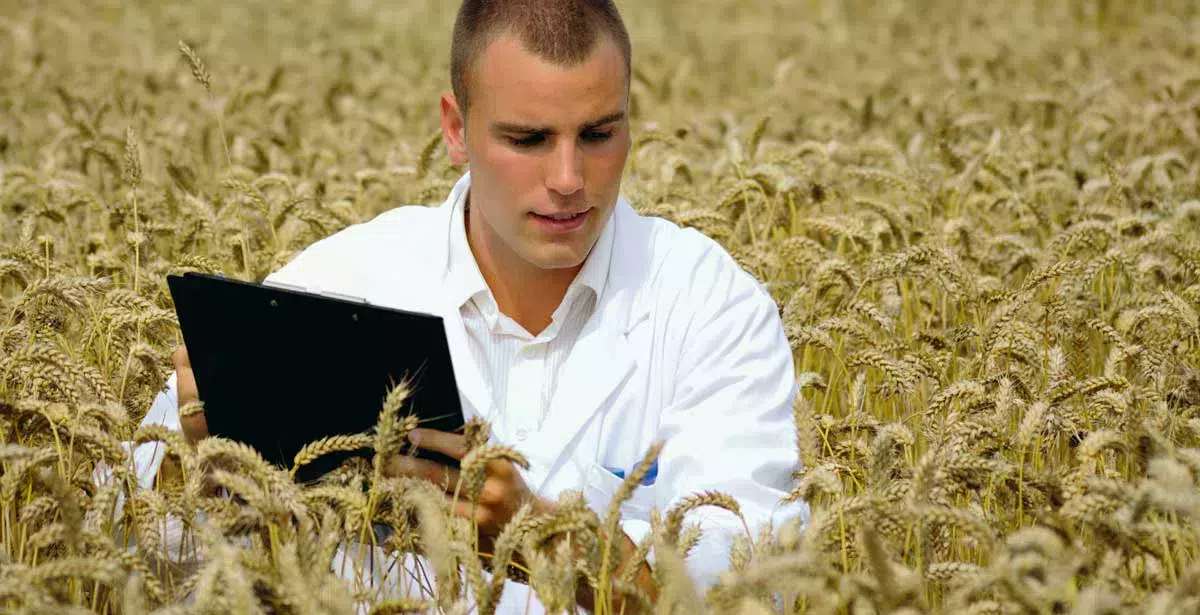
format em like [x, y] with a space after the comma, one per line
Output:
[514, 172]
[511, 182]
[608, 163]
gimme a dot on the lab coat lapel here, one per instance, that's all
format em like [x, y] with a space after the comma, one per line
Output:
[599, 363]
[602, 357]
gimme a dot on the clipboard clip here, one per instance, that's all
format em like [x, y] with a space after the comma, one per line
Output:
[350, 298]
[315, 291]
[284, 286]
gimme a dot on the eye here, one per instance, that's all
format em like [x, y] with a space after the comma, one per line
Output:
[595, 136]
[526, 142]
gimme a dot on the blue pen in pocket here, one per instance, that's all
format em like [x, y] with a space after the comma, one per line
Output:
[646, 481]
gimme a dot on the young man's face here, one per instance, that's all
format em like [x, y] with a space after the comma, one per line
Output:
[543, 143]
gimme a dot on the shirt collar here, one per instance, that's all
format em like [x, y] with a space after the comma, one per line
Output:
[594, 274]
[465, 281]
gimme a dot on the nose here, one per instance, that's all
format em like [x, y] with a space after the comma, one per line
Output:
[564, 168]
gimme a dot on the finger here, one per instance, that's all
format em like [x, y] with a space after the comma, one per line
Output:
[185, 387]
[449, 444]
[436, 473]
[474, 512]
[194, 424]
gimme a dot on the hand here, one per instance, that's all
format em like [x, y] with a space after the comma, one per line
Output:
[194, 426]
[503, 493]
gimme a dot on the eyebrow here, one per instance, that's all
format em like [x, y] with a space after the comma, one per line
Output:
[511, 127]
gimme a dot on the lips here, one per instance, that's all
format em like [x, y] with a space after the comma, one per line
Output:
[561, 222]
[561, 217]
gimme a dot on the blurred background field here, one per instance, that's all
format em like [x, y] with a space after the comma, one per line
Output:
[981, 222]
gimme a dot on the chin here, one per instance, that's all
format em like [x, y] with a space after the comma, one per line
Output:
[558, 260]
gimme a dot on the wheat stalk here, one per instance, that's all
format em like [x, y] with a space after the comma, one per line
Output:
[332, 444]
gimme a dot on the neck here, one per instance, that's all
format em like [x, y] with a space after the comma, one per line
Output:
[523, 292]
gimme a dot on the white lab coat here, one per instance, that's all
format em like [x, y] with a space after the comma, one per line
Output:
[685, 347]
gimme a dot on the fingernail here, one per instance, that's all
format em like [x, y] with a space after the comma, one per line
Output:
[414, 437]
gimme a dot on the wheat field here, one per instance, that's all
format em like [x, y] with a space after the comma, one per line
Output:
[981, 222]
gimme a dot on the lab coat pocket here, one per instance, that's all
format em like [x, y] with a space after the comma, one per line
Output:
[602, 486]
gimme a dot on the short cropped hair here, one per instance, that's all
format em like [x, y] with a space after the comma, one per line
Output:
[562, 32]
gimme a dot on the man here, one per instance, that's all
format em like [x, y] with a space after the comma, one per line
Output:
[582, 331]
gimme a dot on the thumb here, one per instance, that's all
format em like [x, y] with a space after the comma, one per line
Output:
[194, 424]
[185, 380]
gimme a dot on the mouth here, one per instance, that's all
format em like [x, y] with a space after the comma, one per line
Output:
[565, 221]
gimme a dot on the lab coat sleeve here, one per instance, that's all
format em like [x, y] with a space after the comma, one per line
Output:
[728, 426]
[146, 459]
[148, 456]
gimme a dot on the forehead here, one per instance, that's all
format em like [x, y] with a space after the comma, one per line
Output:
[511, 84]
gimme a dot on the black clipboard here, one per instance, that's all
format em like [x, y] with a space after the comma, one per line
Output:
[278, 368]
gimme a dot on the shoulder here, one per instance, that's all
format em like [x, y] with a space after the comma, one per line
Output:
[350, 256]
[694, 272]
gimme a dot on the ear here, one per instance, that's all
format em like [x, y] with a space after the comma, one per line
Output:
[454, 129]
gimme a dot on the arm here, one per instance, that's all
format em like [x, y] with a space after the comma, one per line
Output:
[148, 456]
[728, 426]
[179, 392]
[146, 460]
